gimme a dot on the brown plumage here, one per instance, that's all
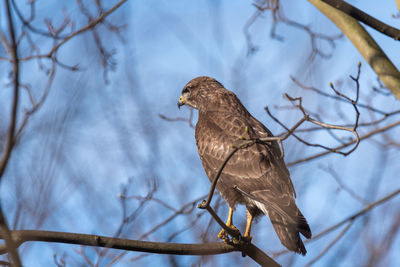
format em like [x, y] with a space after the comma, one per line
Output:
[257, 170]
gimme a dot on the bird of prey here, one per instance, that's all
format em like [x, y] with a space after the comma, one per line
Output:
[257, 170]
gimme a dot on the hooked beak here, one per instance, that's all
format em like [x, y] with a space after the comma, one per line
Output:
[181, 102]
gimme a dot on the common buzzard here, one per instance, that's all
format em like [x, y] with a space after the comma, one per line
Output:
[257, 170]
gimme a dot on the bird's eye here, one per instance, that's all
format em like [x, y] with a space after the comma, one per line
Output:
[186, 90]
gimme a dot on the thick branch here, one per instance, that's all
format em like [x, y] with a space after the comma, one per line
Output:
[21, 236]
[364, 43]
[364, 18]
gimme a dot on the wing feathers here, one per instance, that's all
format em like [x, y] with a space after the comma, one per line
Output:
[286, 218]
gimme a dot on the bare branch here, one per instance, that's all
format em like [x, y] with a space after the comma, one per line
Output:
[11, 248]
[59, 263]
[365, 44]
[36, 105]
[307, 117]
[351, 218]
[15, 81]
[22, 236]
[90, 25]
[336, 97]
[363, 137]
[87, 27]
[279, 17]
[27, 22]
[365, 18]
[188, 120]
[359, 213]
[335, 176]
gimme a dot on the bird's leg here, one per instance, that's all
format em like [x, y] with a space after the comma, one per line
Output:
[229, 222]
[248, 225]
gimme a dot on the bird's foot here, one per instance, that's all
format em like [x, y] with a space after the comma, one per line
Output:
[247, 238]
[224, 234]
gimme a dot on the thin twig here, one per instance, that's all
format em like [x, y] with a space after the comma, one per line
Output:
[335, 97]
[89, 26]
[363, 137]
[188, 120]
[27, 23]
[335, 176]
[205, 203]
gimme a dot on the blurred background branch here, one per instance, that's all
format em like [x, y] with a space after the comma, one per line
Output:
[365, 44]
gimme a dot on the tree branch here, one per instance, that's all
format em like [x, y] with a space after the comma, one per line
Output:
[22, 236]
[358, 214]
[365, 44]
[365, 136]
[349, 219]
[364, 18]
[330, 245]
[5, 231]
[85, 28]
[15, 82]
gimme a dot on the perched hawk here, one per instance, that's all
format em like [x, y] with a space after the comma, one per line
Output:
[258, 170]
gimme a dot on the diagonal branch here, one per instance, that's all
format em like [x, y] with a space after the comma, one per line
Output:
[364, 18]
[358, 214]
[349, 219]
[245, 245]
[330, 245]
[365, 44]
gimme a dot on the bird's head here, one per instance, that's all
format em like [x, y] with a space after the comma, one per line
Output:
[200, 92]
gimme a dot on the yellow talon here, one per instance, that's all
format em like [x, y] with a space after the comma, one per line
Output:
[223, 234]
